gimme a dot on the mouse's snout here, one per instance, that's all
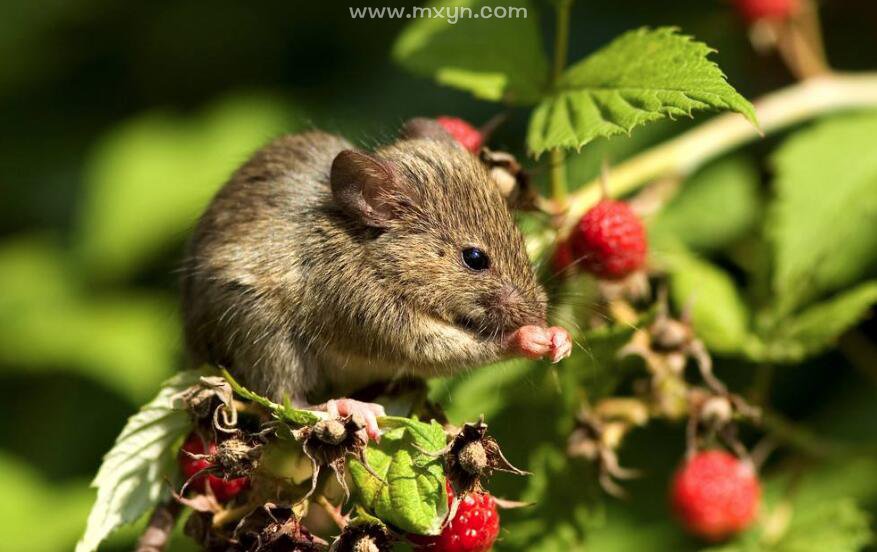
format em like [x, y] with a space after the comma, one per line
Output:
[517, 307]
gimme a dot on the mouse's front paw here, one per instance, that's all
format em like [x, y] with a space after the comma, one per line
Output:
[369, 412]
[536, 342]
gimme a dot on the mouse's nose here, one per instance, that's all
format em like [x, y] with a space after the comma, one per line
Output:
[520, 308]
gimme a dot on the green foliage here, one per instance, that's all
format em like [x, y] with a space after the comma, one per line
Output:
[716, 207]
[284, 413]
[47, 321]
[498, 60]
[158, 171]
[133, 476]
[412, 494]
[822, 222]
[718, 313]
[642, 76]
[815, 329]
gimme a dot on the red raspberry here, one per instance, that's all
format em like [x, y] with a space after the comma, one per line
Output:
[468, 136]
[610, 240]
[715, 495]
[755, 10]
[223, 489]
[473, 529]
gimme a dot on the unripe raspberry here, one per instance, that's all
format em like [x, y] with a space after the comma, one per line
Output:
[715, 495]
[468, 136]
[473, 529]
[224, 490]
[756, 10]
[610, 240]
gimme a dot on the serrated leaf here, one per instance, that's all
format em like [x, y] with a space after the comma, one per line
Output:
[817, 327]
[284, 412]
[642, 76]
[148, 179]
[824, 221]
[412, 496]
[718, 313]
[729, 187]
[494, 59]
[133, 476]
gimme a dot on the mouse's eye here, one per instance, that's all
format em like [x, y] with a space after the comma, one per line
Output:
[476, 259]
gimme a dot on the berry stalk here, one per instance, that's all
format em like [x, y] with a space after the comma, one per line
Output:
[556, 156]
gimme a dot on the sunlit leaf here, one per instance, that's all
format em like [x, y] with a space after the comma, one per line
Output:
[412, 494]
[824, 220]
[642, 76]
[133, 476]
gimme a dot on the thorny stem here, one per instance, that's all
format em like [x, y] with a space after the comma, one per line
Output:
[556, 157]
[684, 154]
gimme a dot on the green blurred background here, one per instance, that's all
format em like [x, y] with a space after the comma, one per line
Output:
[120, 119]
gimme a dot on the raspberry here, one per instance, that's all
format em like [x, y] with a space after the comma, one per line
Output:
[755, 10]
[610, 240]
[468, 136]
[473, 529]
[223, 489]
[715, 495]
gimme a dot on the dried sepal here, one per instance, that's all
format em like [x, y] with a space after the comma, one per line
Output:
[597, 440]
[329, 442]
[364, 537]
[211, 396]
[274, 528]
[472, 455]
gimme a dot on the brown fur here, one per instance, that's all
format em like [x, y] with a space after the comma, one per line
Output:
[300, 299]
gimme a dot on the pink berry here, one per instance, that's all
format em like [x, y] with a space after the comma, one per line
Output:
[715, 495]
[610, 240]
[473, 529]
[467, 135]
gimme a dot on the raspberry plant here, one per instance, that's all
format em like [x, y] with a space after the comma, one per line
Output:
[658, 334]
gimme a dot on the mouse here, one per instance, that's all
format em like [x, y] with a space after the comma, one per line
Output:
[320, 267]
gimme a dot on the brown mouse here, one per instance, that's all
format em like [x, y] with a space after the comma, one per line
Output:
[319, 268]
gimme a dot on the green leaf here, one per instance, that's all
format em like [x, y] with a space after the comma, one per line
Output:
[644, 75]
[718, 313]
[38, 515]
[816, 328]
[412, 496]
[127, 342]
[494, 59]
[729, 187]
[823, 220]
[149, 179]
[133, 476]
[284, 412]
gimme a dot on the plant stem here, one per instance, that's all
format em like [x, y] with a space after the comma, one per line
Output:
[561, 46]
[689, 151]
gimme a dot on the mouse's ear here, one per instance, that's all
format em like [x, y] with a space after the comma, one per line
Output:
[365, 187]
[430, 129]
